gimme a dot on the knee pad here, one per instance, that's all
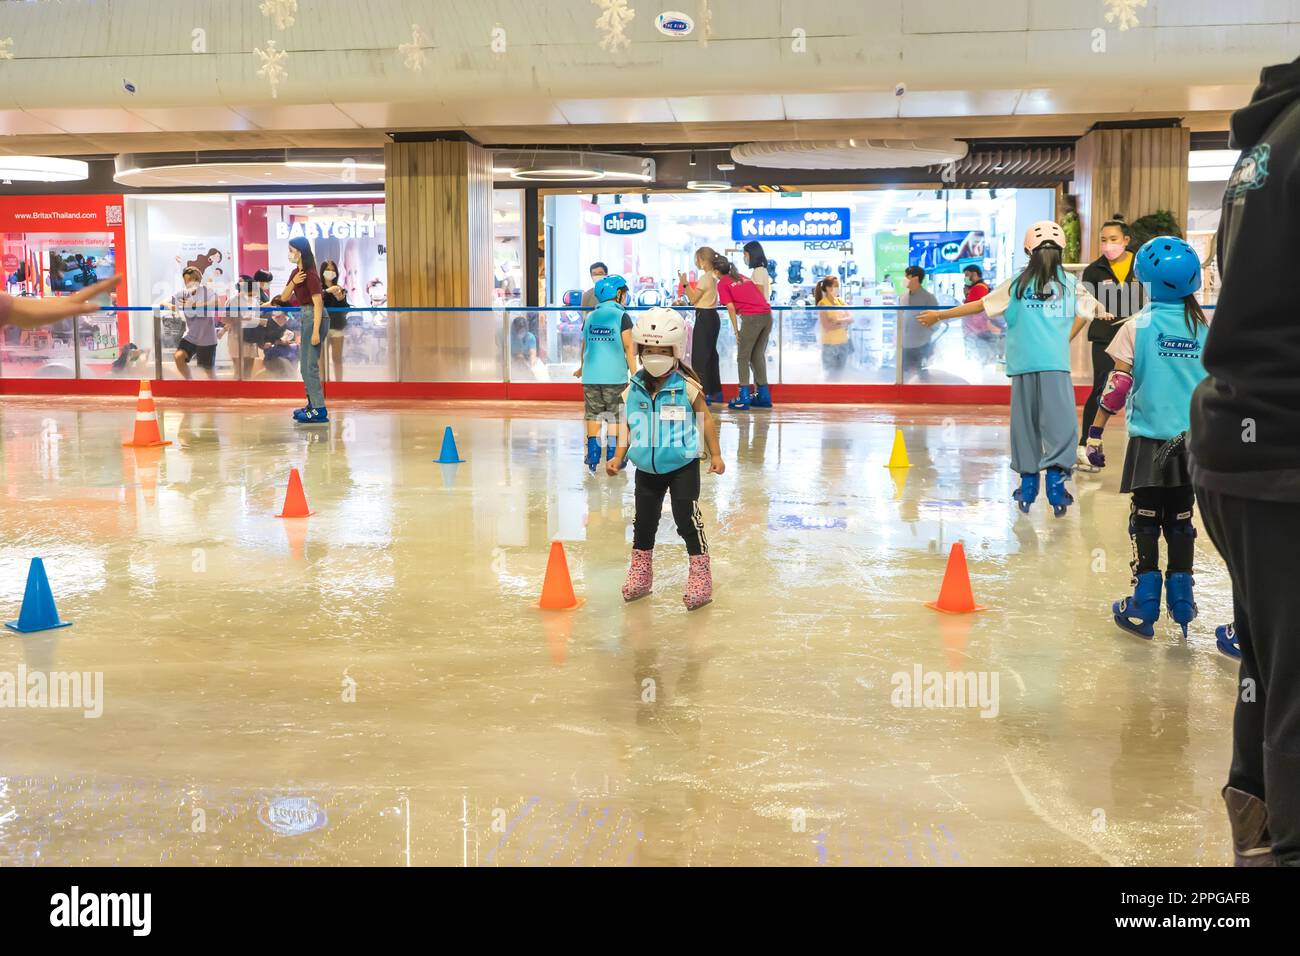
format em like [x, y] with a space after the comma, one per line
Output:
[1143, 521]
[1180, 524]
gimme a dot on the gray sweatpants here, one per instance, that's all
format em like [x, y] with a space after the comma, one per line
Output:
[1043, 428]
[751, 348]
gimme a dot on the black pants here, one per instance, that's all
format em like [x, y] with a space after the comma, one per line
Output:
[704, 350]
[1159, 510]
[1258, 541]
[1102, 366]
[684, 487]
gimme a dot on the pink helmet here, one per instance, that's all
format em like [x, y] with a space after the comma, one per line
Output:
[1045, 231]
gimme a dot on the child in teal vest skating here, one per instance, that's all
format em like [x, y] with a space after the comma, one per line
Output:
[1157, 366]
[607, 362]
[665, 418]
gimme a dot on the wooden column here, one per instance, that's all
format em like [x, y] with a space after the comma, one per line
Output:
[1131, 171]
[438, 199]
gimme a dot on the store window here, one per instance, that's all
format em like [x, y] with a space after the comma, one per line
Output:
[508, 247]
[58, 245]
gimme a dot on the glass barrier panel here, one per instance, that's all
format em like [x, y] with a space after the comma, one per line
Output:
[104, 354]
[846, 347]
[361, 346]
[37, 353]
[440, 345]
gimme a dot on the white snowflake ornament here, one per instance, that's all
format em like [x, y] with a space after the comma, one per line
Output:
[612, 24]
[282, 12]
[6, 48]
[413, 54]
[1125, 11]
[272, 67]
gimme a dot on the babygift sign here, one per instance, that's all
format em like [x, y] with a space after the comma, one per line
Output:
[790, 224]
[327, 229]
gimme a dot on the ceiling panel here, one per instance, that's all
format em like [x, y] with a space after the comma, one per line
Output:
[95, 121]
[712, 109]
[430, 114]
[859, 105]
[958, 103]
[178, 119]
[22, 123]
[302, 116]
[587, 112]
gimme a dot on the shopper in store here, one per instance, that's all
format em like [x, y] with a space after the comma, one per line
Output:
[832, 328]
[198, 304]
[915, 337]
[597, 271]
[304, 290]
[708, 324]
[280, 343]
[751, 321]
[263, 280]
[982, 334]
[760, 272]
[336, 304]
[1114, 283]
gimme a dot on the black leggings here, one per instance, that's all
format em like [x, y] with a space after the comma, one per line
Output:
[704, 350]
[1102, 366]
[684, 487]
[1167, 510]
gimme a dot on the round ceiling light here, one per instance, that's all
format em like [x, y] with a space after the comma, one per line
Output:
[556, 174]
[851, 153]
[281, 167]
[708, 185]
[569, 166]
[42, 169]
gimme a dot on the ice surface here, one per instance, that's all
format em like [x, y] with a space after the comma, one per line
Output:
[484, 731]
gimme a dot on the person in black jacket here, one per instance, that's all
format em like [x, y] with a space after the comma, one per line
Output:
[1112, 280]
[336, 302]
[1245, 462]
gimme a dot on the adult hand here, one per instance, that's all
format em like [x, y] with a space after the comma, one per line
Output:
[928, 318]
[31, 313]
[315, 338]
[1106, 317]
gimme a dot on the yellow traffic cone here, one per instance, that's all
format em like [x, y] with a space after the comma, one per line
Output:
[898, 457]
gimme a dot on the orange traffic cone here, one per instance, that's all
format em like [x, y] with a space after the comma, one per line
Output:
[295, 502]
[147, 434]
[557, 589]
[955, 595]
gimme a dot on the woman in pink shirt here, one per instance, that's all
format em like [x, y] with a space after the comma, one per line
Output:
[751, 320]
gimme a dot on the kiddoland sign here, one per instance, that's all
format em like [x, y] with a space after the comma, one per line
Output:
[795, 224]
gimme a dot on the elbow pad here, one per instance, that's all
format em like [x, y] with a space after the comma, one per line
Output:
[1116, 391]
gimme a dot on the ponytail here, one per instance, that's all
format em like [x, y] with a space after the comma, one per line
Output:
[819, 290]
[1193, 314]
[1043, 274]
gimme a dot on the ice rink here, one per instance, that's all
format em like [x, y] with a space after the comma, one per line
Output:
[373, 685]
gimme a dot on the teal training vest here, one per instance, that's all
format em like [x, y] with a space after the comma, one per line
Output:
[603, 358]
[662, 435]
[1166, 369]
[1038, 331]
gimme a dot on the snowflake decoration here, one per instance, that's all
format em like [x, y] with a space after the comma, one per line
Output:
[413, 53]
[6, 48]
[704, 23]
[272, 64]
[1125, 11]
[282, 12]
[612, 23]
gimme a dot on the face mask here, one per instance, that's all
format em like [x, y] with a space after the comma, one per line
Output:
[1112, 250]
[191, 286]
[330, 276]
[969, 281]
[658, 365]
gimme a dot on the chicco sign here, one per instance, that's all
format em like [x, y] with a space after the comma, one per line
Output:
[625, 223]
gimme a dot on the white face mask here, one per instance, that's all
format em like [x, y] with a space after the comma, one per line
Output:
[658, 365]
[191, 286]
[330, 276]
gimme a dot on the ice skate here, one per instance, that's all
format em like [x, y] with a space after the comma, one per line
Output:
[1057, 494]
[1248, 817]
[593, 454]
[640, 575]
[762, 398]
[1178, 599]
[1027, 493]
[1138, 613]
[699, 583]
[1225, 638]
[741, 401]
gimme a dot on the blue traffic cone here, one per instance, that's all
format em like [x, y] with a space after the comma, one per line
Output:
[38, 612]
[449, 455]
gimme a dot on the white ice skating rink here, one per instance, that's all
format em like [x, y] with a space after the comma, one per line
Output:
[759, 730]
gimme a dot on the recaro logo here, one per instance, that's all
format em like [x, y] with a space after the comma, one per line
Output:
[625, 223]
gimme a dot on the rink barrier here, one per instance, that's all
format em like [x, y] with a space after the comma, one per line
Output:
[505, 389]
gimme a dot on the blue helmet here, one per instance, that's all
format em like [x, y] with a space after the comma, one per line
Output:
[607, 288]
[1170, 266]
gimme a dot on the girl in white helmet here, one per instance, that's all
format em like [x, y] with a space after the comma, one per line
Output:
[664, 419]
[1044, 308]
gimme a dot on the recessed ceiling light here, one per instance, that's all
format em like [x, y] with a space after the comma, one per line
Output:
[708, 185]
[43, 169]
[556, 174]
[726, 167]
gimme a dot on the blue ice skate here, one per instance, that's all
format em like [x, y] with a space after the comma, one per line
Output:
[741, 401]
[1225, 638]
[1027, 493]
[1138, 614]
[593, 454]
[762, 397]
[1178, 599]
[1056, 494]
[312, 415]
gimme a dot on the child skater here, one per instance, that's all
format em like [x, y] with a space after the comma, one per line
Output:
[607, 361]
[1157, 367]
[1044, 308]
[664, 417]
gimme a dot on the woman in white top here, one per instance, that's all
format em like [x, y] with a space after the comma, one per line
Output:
[756, 259]
[704, 340]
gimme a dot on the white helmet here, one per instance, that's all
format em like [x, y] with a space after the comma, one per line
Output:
[1045, 231]
[661, 327]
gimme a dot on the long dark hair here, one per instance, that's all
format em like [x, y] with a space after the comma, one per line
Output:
[723, 267]
[308, 263]
[1042, 275]
[1193, 315]
[755, 257]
